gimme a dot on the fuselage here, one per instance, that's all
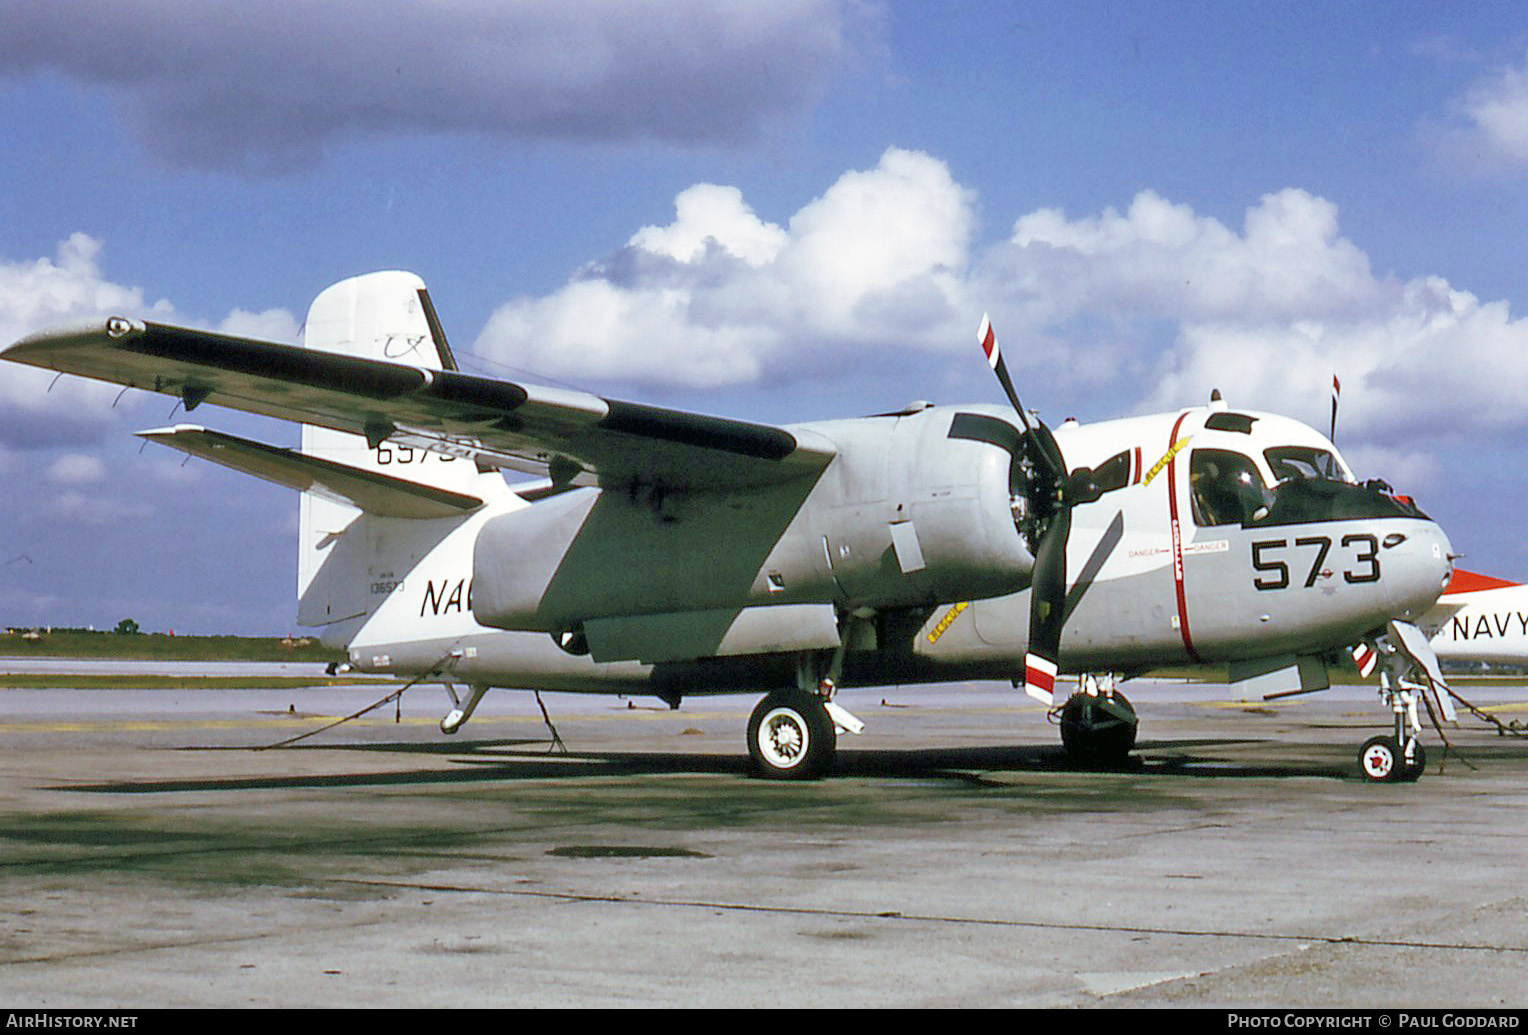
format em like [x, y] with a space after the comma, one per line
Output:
[1233, 535]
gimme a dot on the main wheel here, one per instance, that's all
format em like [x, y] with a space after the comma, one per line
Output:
[791, 737]
[1381, 760]
[1095, 733]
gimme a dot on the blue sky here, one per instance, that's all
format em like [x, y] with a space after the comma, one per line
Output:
[782, 210]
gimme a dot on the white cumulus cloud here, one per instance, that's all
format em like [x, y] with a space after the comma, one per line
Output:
[721, 297]
[38, 292]
[1268, 315]
[1162, 260]
[36, 407]
[1150, 307]
[1486, 128]
[1143, 308]
[76, 469]
[1498, 110]
[707, 215]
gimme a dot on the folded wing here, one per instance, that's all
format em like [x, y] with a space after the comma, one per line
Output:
[574, 437]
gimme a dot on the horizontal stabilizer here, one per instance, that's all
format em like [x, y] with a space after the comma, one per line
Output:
[375, 493]
[1472, 582]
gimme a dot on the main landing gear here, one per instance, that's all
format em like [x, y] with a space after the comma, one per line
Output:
[793, 734]
[791, 737]
[1098, 724]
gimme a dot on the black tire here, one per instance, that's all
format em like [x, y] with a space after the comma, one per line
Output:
[1380, 760]
[1096, 737]
[791, 737]
[1413, 770]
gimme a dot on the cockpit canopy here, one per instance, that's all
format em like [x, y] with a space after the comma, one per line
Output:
[1309, 484]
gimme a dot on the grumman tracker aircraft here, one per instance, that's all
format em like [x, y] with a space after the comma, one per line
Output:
[674, 554]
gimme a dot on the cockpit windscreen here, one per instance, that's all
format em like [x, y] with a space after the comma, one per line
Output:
[1303, 462]
[1311, 486]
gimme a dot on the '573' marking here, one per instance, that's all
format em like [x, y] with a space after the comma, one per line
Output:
[1359, 552]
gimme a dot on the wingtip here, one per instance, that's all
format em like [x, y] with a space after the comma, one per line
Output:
[113, 327]
[170, 431]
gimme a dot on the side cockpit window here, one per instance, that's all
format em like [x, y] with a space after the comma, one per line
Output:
[1303, 462]
[1227, 488]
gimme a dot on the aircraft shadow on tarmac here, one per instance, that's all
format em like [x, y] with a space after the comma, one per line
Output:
[487, 761]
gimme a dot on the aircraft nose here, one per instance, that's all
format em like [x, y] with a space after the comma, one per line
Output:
[1426, 570]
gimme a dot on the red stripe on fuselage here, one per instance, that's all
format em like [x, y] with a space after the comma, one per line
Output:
[1172, 510]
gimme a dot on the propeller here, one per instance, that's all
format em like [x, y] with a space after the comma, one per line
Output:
[1053, 492]
[1052, 496]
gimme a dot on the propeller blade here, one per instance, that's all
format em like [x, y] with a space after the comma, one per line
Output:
[989, 344]
[1047, 589]
[1055, 491]
[1047, 609]
[1336, 395]
[1047, 452]
[988, 338]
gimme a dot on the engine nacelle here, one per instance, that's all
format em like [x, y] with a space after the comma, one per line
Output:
[905, 515]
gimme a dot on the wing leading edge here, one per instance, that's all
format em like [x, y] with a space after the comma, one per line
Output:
[576, 437]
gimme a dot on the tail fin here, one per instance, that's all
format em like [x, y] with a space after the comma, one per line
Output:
[386, 315]
[389, 316]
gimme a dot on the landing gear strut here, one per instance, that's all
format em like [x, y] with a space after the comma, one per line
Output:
[1397, 757]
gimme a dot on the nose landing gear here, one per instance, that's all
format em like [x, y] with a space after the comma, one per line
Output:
[1408, 671]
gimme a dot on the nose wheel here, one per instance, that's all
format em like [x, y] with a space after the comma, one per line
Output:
[1386, 759]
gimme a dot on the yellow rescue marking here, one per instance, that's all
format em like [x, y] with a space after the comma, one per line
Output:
[1167, 458]
[944, 623]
